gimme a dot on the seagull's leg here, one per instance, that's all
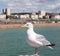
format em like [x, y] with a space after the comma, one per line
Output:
[36, 52]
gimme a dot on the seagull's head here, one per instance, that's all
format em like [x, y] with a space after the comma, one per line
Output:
[28, 25]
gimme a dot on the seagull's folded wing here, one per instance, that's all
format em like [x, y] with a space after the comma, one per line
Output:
[42, 39]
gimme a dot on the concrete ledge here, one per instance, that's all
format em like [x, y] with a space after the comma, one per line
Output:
[30, 55]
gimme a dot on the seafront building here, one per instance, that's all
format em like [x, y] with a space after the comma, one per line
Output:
[36, 17]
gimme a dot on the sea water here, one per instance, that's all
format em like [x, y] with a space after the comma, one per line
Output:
[13, 41]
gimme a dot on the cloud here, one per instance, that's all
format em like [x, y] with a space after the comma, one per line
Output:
[51, 6]
[9, 4]
[31, 5]
[54, 6]
[26, 5]
[58, 4]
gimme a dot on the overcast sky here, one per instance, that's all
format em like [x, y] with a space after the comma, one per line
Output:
[30, 5]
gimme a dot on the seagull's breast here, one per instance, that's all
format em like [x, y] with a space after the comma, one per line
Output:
[31, 34]
[31, 38]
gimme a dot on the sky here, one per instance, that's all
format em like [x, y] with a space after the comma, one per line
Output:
[30, 5]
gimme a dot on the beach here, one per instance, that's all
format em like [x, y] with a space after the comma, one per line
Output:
[20, 25]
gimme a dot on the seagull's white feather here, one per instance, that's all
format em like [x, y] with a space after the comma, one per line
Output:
[34, 39]
[42, 39]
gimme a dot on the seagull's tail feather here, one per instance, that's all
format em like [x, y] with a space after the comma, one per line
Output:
[51, 45]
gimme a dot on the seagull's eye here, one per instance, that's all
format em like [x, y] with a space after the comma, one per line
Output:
[27, 24]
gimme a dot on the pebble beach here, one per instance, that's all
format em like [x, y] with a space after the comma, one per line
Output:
[20, 25]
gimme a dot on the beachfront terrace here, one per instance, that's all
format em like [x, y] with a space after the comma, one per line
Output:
[22, 21]
[37, 17]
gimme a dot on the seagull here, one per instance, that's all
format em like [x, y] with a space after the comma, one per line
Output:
[36, 40]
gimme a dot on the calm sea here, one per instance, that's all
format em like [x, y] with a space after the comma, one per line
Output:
[13, 41]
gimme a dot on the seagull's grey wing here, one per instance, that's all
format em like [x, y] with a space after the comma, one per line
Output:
[42, 39]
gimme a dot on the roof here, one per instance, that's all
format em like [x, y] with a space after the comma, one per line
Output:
[20, 13]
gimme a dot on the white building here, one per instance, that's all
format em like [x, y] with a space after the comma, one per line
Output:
[24, 16]
[34, 16]
[47, 16]
[2, 17]
[41, 14]
[57, 17]
[6, 11]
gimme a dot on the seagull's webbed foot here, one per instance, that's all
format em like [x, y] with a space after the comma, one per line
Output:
[36, 52]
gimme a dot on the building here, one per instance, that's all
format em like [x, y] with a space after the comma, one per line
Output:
[6, 11]
[41, 14]
[2, 16]
[22, 15]
[34, 16]
[57, 17]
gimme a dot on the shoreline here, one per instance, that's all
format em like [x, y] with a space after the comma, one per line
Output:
[20, 25]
